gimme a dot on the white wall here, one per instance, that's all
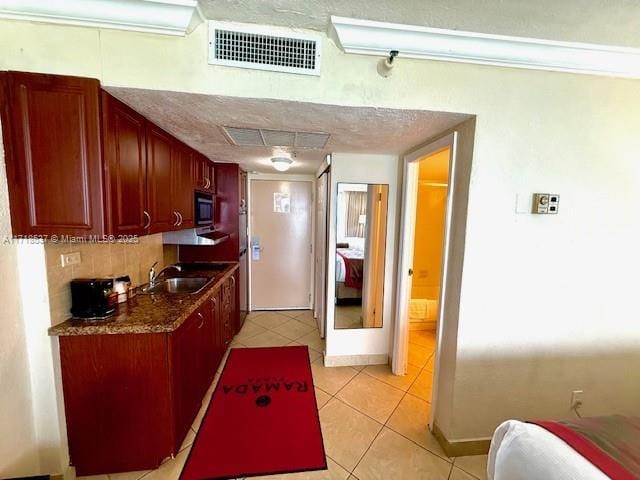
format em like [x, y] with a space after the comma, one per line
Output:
[21, 384]
[17, 433]
[360, 168]
[547, 302]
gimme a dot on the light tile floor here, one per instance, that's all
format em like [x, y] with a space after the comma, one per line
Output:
[374, 424]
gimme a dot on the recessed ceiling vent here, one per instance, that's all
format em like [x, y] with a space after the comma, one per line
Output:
[263, 48]
[254, 137]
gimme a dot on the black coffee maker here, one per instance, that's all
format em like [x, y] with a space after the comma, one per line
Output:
[93, 298]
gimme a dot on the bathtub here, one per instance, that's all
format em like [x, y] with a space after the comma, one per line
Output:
[423, 314]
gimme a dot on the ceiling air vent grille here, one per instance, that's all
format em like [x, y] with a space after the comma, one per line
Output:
[260, 137]
[256, 47]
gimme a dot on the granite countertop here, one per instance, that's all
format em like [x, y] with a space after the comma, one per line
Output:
[149, 313]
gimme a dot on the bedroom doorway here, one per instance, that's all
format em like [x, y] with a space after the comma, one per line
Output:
[426, 217]
[281, 214]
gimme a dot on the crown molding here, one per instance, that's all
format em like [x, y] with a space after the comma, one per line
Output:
[168, 17]
[379, 38]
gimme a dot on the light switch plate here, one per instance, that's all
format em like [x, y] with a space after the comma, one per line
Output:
[67, 259]
[545, 203]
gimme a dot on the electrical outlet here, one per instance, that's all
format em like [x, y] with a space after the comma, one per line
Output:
[577, 399]
[67, 259]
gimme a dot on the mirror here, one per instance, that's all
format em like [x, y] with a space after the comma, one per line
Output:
[361, 233]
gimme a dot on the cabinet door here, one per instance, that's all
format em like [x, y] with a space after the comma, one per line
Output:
[182, 189]
[207, 369]
[217, 333]
[188, 370]
[198, 175]
[243, 190]
[204, 174]
[227, 307]
[125, 159]
[159, 181]
[235, 302]
[209, 175]
[54, 166]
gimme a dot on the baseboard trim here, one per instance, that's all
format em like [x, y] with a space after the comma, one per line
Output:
[355, 360]
[461, 448]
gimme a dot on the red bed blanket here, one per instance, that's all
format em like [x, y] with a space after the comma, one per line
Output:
[610, 443]
[353, 265]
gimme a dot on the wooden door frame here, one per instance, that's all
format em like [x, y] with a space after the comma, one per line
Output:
[405, 257]
[286, 177]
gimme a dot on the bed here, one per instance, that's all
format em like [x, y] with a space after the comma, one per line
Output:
[550, 450]
[349, 270]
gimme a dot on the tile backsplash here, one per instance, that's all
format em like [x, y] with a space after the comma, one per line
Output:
[98, 260]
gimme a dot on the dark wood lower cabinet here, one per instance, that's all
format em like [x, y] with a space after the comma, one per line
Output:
[191, 370]
[131, 398]
[117, 401]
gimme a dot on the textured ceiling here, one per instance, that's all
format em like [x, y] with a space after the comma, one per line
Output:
[613, 22]
[197, 120]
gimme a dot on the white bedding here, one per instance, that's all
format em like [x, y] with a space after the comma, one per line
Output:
[341, 269]
[522, 451]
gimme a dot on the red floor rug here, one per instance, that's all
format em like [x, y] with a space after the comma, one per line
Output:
[262, 418]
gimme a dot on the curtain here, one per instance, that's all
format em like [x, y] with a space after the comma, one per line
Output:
[356, 207]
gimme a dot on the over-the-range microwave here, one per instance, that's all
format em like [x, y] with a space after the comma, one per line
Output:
[204, 209]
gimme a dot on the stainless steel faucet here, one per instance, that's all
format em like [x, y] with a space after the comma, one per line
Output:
[153, 276]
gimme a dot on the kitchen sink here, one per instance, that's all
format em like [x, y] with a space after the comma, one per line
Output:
[177, 285]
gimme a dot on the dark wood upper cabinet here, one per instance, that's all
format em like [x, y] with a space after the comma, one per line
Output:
[182, 188]
[80, 162]
[125, 157]
[243, 190]
[204, 178]
[210, 175]
[54, 165]
[159, 182]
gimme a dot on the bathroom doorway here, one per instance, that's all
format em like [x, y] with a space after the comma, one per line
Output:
[426, 269]
[426, 217]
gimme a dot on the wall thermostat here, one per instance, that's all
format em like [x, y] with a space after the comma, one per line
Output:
[546, 203]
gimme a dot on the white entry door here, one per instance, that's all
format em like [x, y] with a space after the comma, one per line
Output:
[280, 244]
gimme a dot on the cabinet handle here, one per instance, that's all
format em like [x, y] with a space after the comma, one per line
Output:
[233, 281]
[177, 222]
[207, 183]
[180, 222]
[148, 222]
[201, 320]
